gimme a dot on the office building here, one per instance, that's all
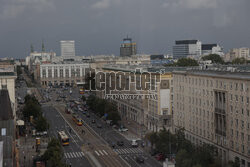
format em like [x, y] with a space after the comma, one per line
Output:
[128, 47]
[208, 49]
[187, 48]
[67, 48]
[213, 107]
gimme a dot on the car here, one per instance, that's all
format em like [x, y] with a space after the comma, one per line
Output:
[99, 125]
[123, 129]
[153, 152]
[139, 159]
[120, 143]
[93, 121]
[134, 143]
[160, 157]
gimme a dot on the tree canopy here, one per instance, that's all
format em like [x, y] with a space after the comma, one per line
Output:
[241, 60]
[214, 58]
[184, 62]
[103, 106]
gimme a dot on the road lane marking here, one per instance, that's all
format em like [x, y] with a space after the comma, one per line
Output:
[97, 153]
[82, 153]
[65, 154]
[105, 152]
[71, 155]
[77, 154]
[100, 152]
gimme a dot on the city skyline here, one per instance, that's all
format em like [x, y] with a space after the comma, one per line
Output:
[154, 26]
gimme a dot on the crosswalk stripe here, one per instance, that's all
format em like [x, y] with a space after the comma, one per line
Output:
[82, 153]
[71, 156]
[74, 155]
[97, 153]
[77, 155]
[105, 152]
[65, 154]
[100, 152]
[126, 151]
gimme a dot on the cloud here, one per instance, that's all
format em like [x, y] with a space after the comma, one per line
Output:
[104, 4]
[13, 8]
[191, 4]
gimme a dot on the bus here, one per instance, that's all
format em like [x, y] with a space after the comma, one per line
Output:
[77, 120]
[81, 91]
[64, 139]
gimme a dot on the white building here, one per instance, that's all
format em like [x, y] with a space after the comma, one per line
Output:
[208, 49]
[63, 73]
[67, 48]
[187, 48]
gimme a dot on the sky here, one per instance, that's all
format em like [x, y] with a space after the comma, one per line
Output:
[98, 26]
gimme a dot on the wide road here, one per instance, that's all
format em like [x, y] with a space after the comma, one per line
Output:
[72, 153]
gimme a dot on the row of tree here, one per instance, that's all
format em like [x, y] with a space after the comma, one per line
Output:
[186, 154]
[216, 59]
[103, 107]
[32, 109]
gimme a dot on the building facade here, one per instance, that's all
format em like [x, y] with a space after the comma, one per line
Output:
[213, 108]
[67, 48]
[208, 49]
[237, 53]
[69, 74]
[128, 47]
[7, 81]
[187, 48]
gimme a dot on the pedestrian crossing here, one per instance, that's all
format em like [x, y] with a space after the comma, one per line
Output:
[69, 155]
[129, 151]
[101, 152]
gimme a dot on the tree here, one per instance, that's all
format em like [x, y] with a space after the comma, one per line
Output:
[153, 138]
[184, 62]
[41, 124]
[53, 156]
[241, 60]
[214, 58]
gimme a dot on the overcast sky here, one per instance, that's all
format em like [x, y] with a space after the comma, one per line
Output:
[98, 26]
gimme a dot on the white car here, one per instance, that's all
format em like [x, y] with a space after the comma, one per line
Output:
[123, 129]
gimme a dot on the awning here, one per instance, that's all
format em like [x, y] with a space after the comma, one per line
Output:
[20, 123]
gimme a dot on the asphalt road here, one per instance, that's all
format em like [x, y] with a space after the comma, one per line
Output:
[107, 133]
[73, 154]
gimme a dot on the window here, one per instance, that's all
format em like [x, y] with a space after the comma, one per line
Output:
[242, 99]
[3, 131]
[236, 97]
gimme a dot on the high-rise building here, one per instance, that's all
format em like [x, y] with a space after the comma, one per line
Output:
[213, 108]
[67, 48]
[128, 47]
[187, 48]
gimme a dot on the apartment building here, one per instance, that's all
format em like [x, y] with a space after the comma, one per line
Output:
[237, 53]
[213, 107]
[154, 108]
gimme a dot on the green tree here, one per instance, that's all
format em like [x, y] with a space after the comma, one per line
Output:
[53, 156]
[184, 62]
[241, 60]
[153, 138]
[41, 124]
[183, 159]
[214, 58]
